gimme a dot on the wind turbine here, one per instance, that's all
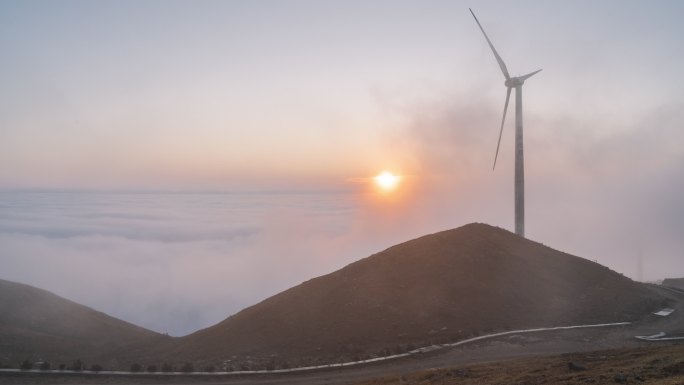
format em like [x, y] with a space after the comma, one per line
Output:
[510, 83]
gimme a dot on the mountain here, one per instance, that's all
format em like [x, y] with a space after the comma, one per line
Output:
[441, 287]
[37, 325]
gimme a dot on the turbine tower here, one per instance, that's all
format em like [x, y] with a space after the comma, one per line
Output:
[510, 83]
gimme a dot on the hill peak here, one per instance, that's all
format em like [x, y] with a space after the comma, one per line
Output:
[439, 287]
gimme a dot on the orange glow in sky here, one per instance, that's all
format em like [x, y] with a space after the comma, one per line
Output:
[387, 181]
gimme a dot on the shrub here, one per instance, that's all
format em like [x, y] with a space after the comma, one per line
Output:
[135, 368]
[152, 368]
[187, 368]
[26, 365]
[96, 368]
[45, 366]
[78, 365]
[166, 367]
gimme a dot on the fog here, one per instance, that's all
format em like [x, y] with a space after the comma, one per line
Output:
[178, 262]
[280, 113]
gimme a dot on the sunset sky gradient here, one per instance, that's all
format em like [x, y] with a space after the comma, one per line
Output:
[318, 97]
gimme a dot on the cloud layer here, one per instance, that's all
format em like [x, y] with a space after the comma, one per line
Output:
[177, 262]
[170, 262]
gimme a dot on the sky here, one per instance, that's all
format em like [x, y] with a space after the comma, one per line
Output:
[292, 107]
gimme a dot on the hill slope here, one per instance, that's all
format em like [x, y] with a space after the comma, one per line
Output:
[677, 283]
[38, 325]
[439, 287]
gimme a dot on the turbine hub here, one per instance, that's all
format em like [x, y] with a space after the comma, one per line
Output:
[513, 82]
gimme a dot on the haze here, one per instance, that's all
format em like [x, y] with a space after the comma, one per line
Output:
[170, 163]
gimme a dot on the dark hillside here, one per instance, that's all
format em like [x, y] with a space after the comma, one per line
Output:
[440, 287]
[677, 283]
[38, 325]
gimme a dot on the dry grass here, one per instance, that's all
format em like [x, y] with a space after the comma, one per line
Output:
[656, 365]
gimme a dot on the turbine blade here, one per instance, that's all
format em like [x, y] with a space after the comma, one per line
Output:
[508, 96]
[525, 77]
[502, 65]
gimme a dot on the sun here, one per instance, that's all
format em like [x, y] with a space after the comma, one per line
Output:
[387, 181]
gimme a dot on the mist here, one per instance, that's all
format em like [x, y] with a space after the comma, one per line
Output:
[179, 262]
[268, 122]
[604, 189]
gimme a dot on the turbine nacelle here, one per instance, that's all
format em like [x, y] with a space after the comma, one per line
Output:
[518, 80]
[513, 82]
